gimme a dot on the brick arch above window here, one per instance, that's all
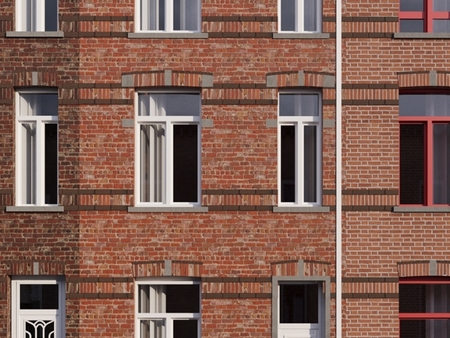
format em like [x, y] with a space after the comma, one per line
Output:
[300, 268]
[36, 268]
[424, 268]
[302, 78]
[167, 268]
[164, 78]
[35, 78]
[422, 79]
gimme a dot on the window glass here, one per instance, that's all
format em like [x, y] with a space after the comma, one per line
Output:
[288, 15]
[51, 15]
[299, 105]
[51, 163]
[288, 151]
[41, 104]
[441, 5]
[169, 104]
[309, 158]
[38, 296]
[441, 26]
[299, 303]
[412, 26]
[310, 15]
[441, 163]
[411, 5]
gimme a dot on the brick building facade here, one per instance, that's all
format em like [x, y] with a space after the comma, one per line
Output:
[168, 168]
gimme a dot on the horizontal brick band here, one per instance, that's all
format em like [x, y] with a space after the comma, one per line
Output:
[362, 192]
[370, 19]
[95, 34]
[95, 191]
[3, 295]
[236, 279]
[99, 279]
[367, 279]
[370, 86]
[99, 295]
[95, 18]
[96, 102]
[236, 295]
[240, 192]
[372, 35]
[366, 295]
[6, 191]
[239, 102]
[96, 207]
[237, 18]
[370, 102]
[239, 86]
[90, 85]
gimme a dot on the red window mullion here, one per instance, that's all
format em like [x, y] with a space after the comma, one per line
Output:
[428, 15]
[431, 315]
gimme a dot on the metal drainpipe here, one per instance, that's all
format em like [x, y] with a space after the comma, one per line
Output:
[338, 168]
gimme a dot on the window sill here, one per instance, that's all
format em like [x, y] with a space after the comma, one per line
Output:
[301, 209]
[301, 35]
[422, 209]
[167, 209]
[33, 208]
[167, 35]
[16, 34]
[421, 35]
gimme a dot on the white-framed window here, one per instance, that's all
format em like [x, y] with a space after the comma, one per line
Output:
[299, 137]
[38, 307]
[37, 147]
[168, 308]
[36, 15]
[300, 16]
[168, 148]
[300, 307]
[168, 15]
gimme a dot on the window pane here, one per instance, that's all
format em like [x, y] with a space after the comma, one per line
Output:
[169, 104]
[310, 15]
[431, 328]
[160, 298]
[153, 328]
[185, 163]
[411, 5]
[299, 303]
[38, 296]
[39, 105]
[441, 26]
[153, 162]
[39, 329]
[28, 159]
[421, 298]
[152, 15]
[288, 153]
[412, 164]
[441, 163]
[299, 105]
[288, 15]
[310, 164]
[425, 105]
[51, 15]
[185, 329]
[412, 26]
[185, 15]
[51, 163]
[441, 5]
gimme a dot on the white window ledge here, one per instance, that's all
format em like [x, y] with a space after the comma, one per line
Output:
[405, 35]
[301, 35]
[15, 34]
[32, 208]
[421, 209]
[167, 209]
[167, 35]
[301, 209]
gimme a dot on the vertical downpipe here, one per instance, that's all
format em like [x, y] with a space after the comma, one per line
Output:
[338, 168]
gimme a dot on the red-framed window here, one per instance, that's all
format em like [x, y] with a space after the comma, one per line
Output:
[425, 16]
[424, 148]
[424, 307]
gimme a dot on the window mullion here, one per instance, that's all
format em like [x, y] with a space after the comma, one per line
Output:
[299, 167]
[39, 157]
[300, 22]
[168, 179]
[39, 16]
[428, 15]
[168, 13]
[429, 163]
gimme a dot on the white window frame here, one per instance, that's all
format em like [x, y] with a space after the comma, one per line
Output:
[300, 17]
[167, 317]
[168, 17]
[19, 316]
[299, 122]
[170, 122]
[40, 122]
[37, 16]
